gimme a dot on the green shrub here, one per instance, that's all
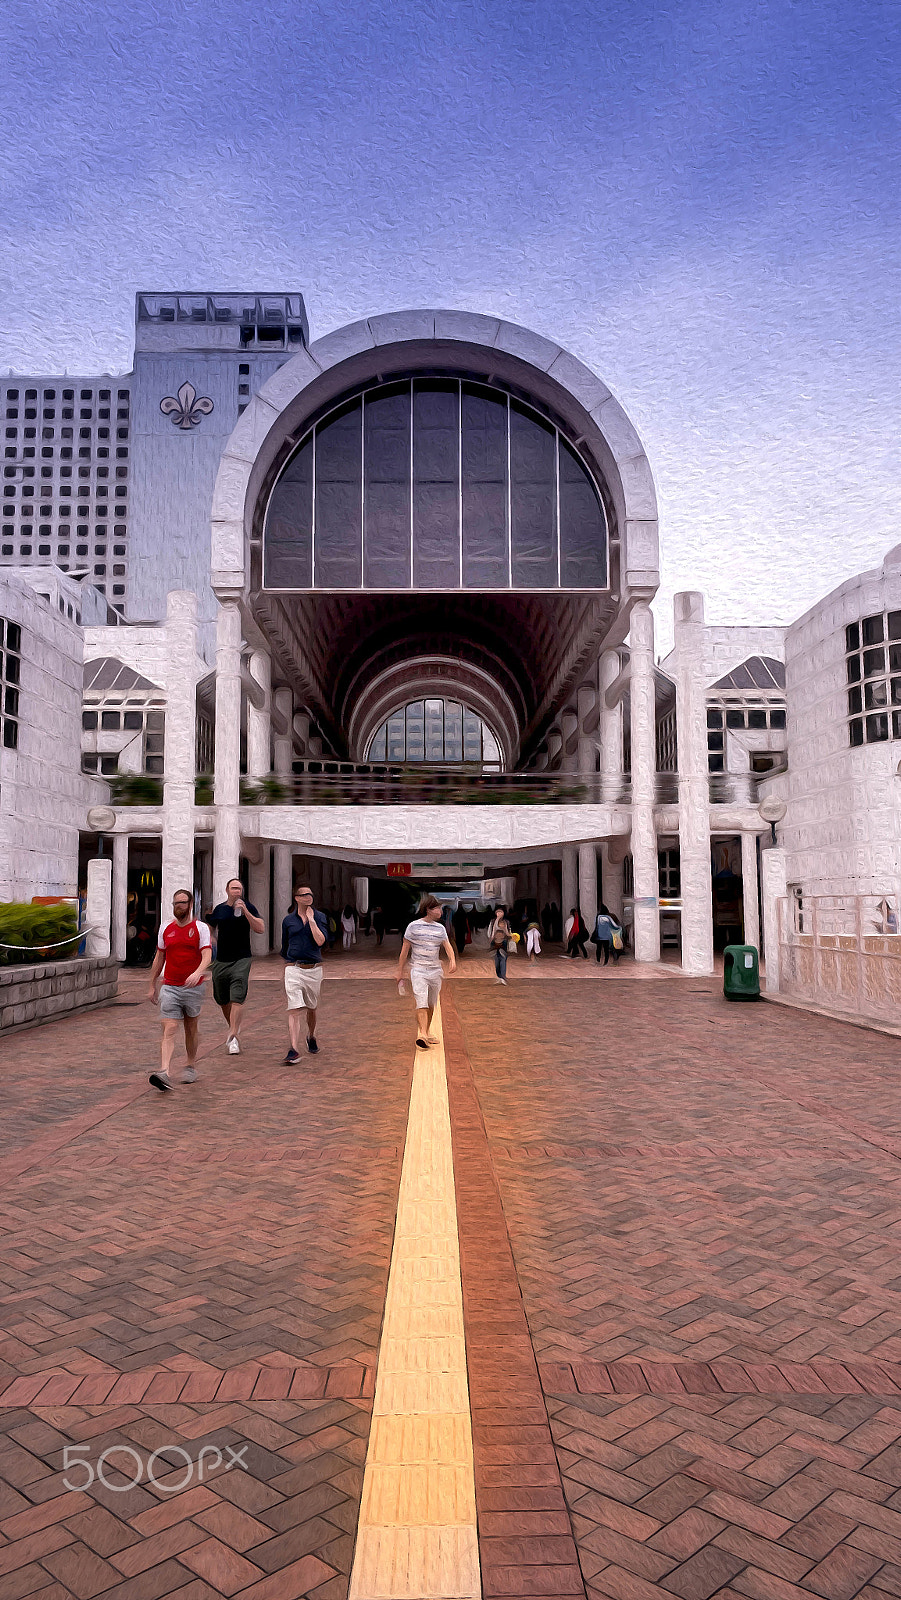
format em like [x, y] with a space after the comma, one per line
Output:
[135, 789]
[26, 927]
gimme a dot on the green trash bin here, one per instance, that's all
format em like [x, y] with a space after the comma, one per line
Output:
[741, 972]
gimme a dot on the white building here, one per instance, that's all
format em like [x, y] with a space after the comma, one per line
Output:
[383, 589]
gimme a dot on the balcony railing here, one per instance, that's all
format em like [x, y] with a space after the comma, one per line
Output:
[342, 783]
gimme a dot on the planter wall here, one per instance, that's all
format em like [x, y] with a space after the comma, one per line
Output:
[37, 993]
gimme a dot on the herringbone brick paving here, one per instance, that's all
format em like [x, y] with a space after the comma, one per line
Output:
[705, 1198]
[698, 1203]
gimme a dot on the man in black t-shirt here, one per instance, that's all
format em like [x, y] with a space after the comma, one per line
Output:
[231, 924]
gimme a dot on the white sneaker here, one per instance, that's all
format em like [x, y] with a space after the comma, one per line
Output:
[189, 1075]
[233, 1047]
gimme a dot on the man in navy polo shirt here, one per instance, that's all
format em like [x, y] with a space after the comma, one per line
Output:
[304, 932]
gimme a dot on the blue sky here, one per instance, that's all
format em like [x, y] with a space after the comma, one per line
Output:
[699, 201]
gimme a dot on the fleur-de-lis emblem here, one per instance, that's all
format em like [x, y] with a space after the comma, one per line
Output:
[186, 410]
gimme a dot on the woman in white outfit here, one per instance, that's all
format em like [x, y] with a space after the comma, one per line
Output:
[349, 926]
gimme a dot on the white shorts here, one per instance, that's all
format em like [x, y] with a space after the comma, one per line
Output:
[302, 985]
[426, 988]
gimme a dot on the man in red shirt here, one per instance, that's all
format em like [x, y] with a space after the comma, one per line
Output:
[184, 952]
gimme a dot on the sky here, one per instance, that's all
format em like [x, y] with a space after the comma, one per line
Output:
[699, 200]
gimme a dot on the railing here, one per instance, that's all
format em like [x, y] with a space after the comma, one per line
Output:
[343, 783]
[842, 952]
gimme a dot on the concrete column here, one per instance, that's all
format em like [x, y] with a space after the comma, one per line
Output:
[586, 705]
[569, 723]
[282, 756]
[119, 894]
[180, 747]
[227, 839]
[259, 754]
[694, 788]
[98, 905]
[258, 892]
[774, 885]
[588, 884]
[610, 728]
[749, 888]
[554, 746]
[611, 882]
[569, 872]
[646, 924]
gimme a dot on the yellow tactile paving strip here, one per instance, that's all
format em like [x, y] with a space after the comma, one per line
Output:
[417, 1538]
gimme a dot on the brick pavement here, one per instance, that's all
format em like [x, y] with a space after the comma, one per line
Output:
[678, 1224]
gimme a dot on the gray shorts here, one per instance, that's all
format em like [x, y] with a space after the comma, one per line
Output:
[426, 987]
[177, 1000]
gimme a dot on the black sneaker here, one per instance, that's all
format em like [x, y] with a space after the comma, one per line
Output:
[312, 1046]
[160, 1080]
[292, 1058]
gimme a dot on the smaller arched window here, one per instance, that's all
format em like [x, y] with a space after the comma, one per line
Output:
[442, 732]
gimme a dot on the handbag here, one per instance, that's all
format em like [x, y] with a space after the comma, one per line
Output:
[511, 945]
[617, 939]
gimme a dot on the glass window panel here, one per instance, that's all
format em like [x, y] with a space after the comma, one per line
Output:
[777, 719]
[756, 719]
[288, 540]
[894, 624]
[855, 701]
[377, 748]
[894, 658]
[877, 728]
[13, 636]
[436, 487]
[714, 719]
[434, 730]
[873, 662]
[533, 500]
[396, 736]
[490, 748]
[386, 499]
[896, 691]
[853, 669]
[735, 719]
[472, 736]
[484, 473]
[88, 720]
[415, 731]
[11, 672]
[338, 536]
[875, 694]
[873, 630]
[852, 636]
[855, 731]
[110, 720]
[896, 724]
[453, 731]
[583, 529]
[714, 741]
[714, 763]
[133, 719]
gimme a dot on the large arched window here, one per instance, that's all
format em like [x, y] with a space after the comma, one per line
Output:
[441, 731]
[435, 483]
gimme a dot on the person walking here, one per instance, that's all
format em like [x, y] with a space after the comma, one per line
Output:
[461, 929]
[424, 941]
[498, 934]
[576, 935]
[604, 930]
[231, 923]
[183, 954]
[348, 926]
[304, 932]
[378, 924]
[533, 939]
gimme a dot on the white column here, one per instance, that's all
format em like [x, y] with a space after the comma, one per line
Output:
[180, 759]
[569, 723]
[361, 895]
[610, 727]
[611, 882]
[227, 843]
[119, 894]
[775, 887]
[258, 891]
[588, 884]
[569, 872]
[586, 704]
[282, 756]
[646, 925]
[694, 787]
[554, 746]
[98, 903]
[749, 888]
[259, 755]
